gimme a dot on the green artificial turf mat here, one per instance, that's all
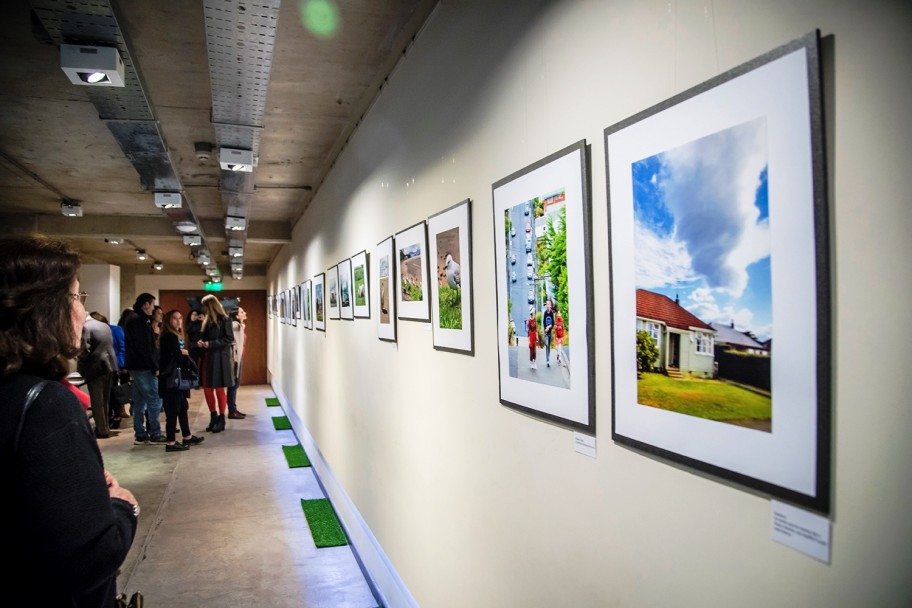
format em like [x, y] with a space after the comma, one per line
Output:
[281, 423]
[323, 523]
[272, 401]
[295, 456]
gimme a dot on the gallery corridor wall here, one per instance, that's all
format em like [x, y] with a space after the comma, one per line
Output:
[478, 505]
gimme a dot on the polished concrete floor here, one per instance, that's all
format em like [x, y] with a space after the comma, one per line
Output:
[222, 525]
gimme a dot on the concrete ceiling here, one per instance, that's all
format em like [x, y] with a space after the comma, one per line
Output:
[60, 141]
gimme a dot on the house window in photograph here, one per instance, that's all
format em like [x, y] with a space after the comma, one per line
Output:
[704, 343]
[653, 329]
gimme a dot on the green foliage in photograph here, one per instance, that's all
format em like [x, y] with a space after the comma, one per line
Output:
[411, 292]
[554, 263]
[647, 352]
[450, 308]
[360, 300]
[711, 399]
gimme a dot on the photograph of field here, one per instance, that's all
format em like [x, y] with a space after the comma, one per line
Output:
[360, 296]
[449, 277]
[318, 302]
[410, 278]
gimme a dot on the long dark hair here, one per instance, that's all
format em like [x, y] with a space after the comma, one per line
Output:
[166, 324]
[36, 322]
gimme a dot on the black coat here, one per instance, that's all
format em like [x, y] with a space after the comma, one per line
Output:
[217, 368]
[65, 533]
[140, 342]
[170, 356]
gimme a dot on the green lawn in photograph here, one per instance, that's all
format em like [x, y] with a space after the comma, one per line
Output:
[711, 399]
[450, 308]
[295, 456]
[323, 523]
[281, 423]
[272, 401]
[360, 300]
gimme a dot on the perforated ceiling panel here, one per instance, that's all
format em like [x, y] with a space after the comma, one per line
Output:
[240, 37]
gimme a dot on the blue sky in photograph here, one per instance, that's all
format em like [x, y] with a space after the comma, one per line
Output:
[701, 222]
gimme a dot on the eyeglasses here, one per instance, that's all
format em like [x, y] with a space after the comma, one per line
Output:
[81, 296]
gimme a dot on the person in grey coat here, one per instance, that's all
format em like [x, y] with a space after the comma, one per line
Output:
[97, 365]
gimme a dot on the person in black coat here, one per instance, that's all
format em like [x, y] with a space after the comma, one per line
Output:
[68, 523]
[173, 355]
[216, 367]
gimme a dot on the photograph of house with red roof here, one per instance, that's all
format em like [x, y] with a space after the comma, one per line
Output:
[703, 278]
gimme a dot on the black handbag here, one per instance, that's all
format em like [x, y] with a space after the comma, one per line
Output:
[183, 377]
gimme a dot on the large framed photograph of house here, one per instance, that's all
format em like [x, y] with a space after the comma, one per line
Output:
[450, 248]
[718, 253]
[412, 294]
[386, 291]
[346, 305]
[319, 310]
[542, 256]
[360, 286]
[332, 290]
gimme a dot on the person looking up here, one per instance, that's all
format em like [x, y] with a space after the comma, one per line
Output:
[69, 523]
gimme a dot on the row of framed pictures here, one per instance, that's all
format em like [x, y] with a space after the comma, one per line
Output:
[717, 219]
[405, 289]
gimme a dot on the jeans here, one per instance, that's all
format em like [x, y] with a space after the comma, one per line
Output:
[547, 347]
[145, 397]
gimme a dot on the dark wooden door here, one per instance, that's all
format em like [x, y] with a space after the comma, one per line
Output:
[253, 301]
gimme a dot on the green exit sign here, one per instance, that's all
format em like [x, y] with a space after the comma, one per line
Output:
[210, 286]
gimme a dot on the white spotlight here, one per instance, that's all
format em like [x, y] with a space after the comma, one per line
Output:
[97, 66]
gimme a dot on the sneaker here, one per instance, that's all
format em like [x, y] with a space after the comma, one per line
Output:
[193, 440]
[141, 440]
[236, 415]
[177, 447]
[158, 439]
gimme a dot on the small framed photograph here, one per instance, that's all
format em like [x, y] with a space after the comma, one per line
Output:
[718, 251]
[386, 290]
[306, 305]
[346, 304]
[542, 257]
[332, 289]
[450, 247]
[412, 297]
[360, 285]
[319, 311]
[283, 307]
[269, 300]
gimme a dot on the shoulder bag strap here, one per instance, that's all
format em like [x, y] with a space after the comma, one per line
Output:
[29, 399]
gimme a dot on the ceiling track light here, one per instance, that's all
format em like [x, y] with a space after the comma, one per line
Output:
[236, 252]
[96, 66]
[141, 255]
[234, 159]
[233, 222]
[71, 208]
[193, 240]
[158, 266]
[114, 240]
[168, 200]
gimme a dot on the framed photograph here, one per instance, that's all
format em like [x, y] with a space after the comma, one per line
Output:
[306, 303]
[346, 305]
[450, 247]
[386, 287]
[269, 300]
[360, 286]
[295, 305]
[332, 288]
[319, 312]
[542, 257]
[283, 307]
[718, 226]
[412, 297]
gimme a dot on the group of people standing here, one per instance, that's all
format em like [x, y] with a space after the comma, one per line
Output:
[212, 344]
[553, 331]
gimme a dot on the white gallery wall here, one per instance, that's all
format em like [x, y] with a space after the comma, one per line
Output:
[477, 505]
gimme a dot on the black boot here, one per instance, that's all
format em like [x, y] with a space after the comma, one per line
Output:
[213, 419]
[219, 424]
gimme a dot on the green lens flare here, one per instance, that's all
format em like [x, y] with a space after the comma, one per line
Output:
[321, 17]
